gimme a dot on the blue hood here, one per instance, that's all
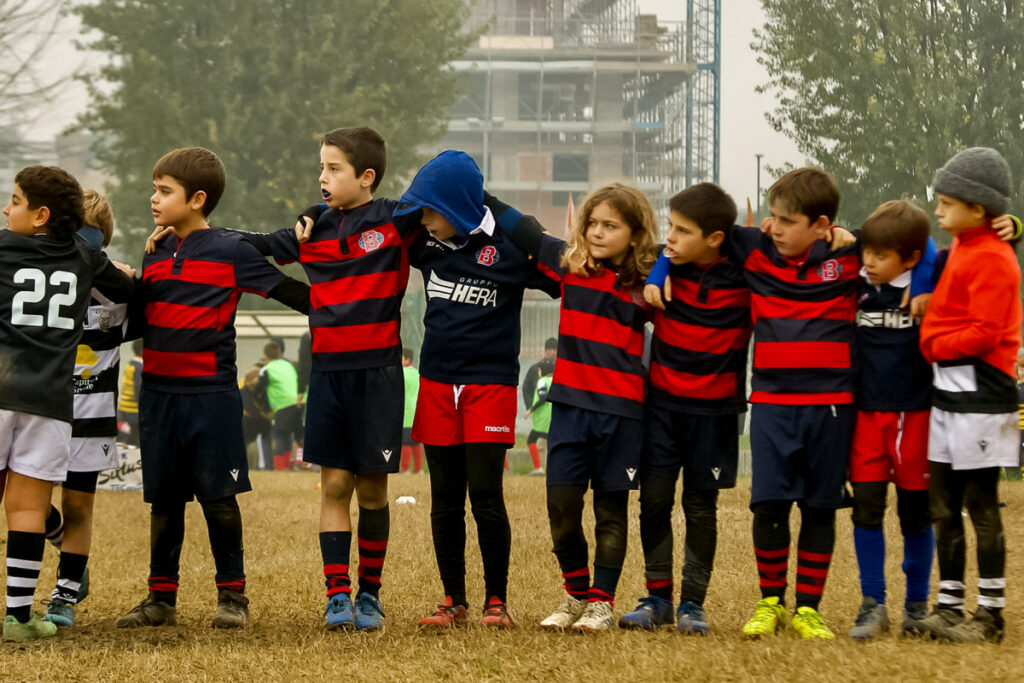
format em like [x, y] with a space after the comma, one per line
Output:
[452, 185]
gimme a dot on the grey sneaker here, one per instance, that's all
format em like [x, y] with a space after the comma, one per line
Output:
[983, 627]
[232, 610]
[149, 612]
[566, 614]
[872, 620]
[913, 614]
[941, 619]
[597, 616]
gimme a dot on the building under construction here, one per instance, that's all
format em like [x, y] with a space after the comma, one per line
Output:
[562, 96]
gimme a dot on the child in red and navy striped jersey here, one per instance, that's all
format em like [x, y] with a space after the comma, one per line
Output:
[355, 252]
[697, 384]
[190, 410]
[597, 391]
[803, 302]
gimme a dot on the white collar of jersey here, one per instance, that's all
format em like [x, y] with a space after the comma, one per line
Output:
[900, 281]
[486, 226]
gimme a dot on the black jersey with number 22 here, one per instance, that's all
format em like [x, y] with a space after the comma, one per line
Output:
[45, 287]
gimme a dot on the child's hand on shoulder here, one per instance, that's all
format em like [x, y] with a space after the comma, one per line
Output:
[303, 228]
[1007, 227]
[653, 295]
[159, 232]
[840, 237]
[766, 224]
[124, 268]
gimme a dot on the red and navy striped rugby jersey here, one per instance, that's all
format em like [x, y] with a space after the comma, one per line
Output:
[699, 350]
[191, 289]
[600, 339]
[803, 313]
[358, 268]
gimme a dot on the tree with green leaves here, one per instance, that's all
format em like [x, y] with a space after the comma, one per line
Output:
[882, 92]
[256, 81]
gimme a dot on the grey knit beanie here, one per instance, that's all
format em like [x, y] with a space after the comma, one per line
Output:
[978, 175]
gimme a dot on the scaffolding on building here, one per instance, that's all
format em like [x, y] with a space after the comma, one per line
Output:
[562, 96]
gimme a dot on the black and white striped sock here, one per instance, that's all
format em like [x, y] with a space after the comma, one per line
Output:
[55, 527]
[951, 595]
[992, 594]
[69, 576]
[24, 560]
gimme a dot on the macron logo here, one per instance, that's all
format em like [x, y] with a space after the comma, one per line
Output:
[234, 474]
[631, 472]
[387, 454]
[501, 430]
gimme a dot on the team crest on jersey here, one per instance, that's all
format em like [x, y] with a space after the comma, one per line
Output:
[830, 270]
[488, 256]
[371, 240]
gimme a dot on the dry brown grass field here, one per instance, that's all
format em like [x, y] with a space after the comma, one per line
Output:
[285, 639]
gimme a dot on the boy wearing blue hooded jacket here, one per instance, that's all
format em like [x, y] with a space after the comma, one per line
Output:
[469, 373]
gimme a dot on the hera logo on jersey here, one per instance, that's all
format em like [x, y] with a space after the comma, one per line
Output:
[488, 256]
[461, 292]
[371, 240]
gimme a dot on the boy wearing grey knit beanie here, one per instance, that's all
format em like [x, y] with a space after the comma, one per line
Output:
[971, 334]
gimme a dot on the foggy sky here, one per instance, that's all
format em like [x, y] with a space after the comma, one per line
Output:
[744, 129]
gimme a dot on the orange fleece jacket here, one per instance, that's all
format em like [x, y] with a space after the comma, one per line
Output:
[975, 311]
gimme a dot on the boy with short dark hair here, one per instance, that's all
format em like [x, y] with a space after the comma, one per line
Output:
[803, 302]
[45, 279]
[355, 255]
[191, 285]
[971, 334]
[890, 441]
[697, 384]
[804, 299]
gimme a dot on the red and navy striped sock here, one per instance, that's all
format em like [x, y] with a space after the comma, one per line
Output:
[771, 571]
[577, 583]
[659, 586]
[814, 554]
[606, 580]
[164, 589]
[374, 530]
[335, 547]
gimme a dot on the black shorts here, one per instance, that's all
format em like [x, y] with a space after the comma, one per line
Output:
[354, 419]
[407, 439]
[706, 447]
[800, 453]
[536, 436]
[287, 428]
[192, 446]
[587, 447]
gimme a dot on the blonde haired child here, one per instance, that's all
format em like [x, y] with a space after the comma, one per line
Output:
[597, 390]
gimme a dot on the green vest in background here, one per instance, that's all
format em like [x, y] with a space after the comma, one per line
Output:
[282, 384]
[541, 416]
[412, 389]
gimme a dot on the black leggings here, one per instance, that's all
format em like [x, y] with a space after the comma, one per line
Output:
[700, 506]
[565, 512]
[977, 490]
[478, 468]
[223, 524]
